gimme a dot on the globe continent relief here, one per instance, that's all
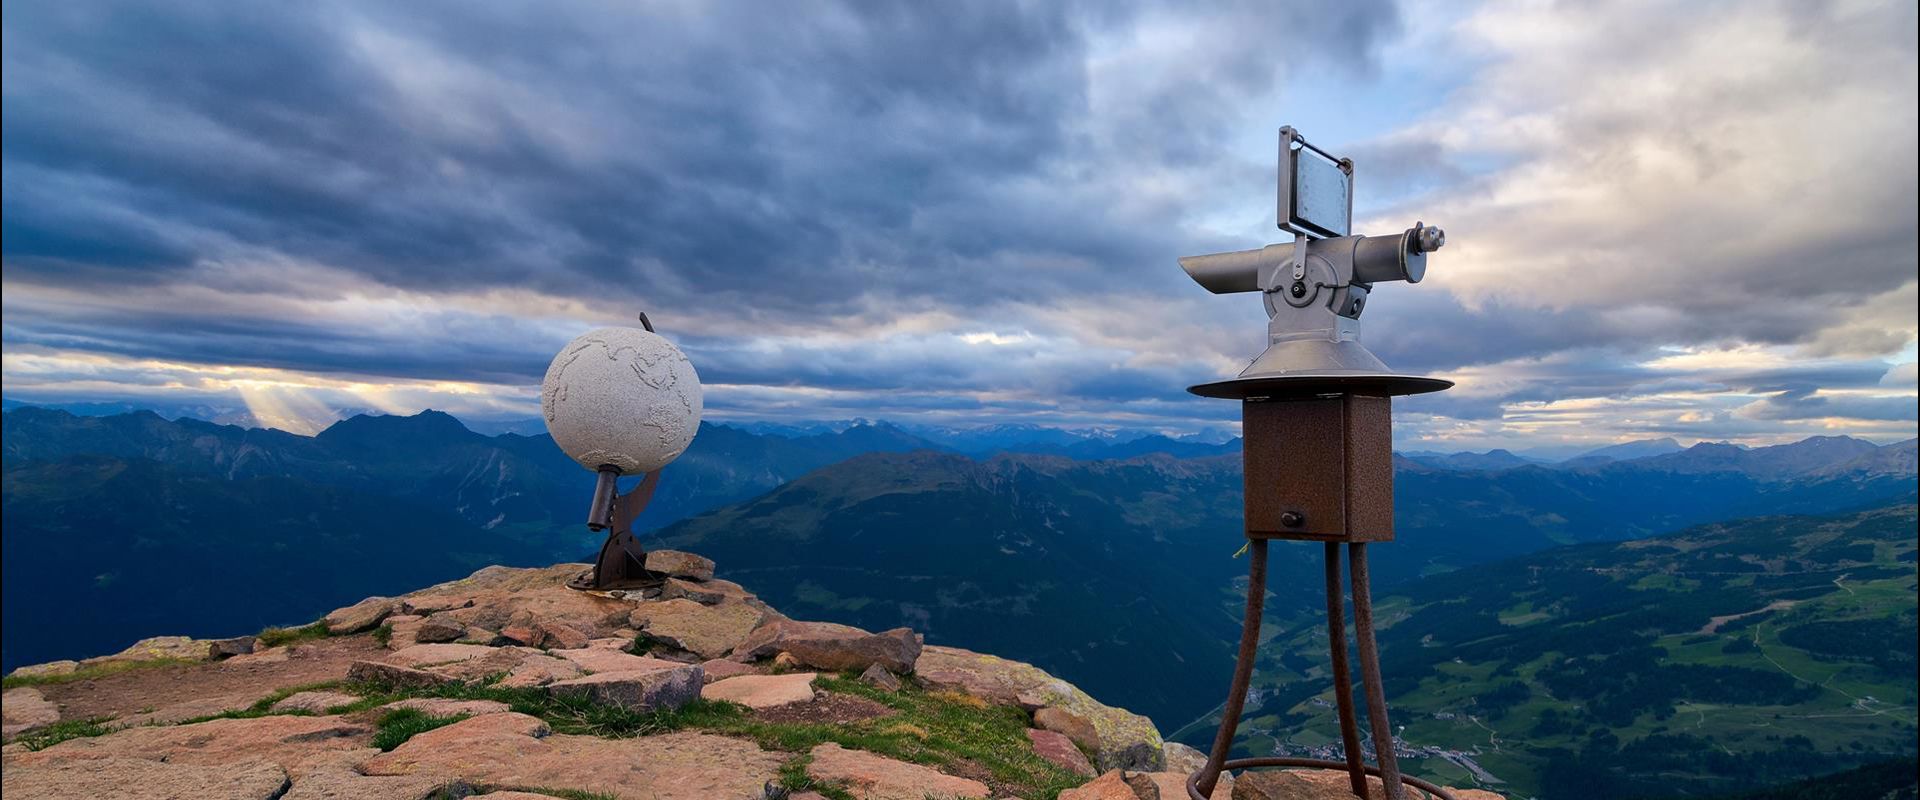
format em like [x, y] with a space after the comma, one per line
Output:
[622, 397]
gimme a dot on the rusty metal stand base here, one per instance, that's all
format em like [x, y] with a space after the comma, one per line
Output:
[1200, 784]
[622, 563]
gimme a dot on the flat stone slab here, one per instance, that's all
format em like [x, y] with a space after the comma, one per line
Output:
[540, 670]
[763, 691]
[175, 713]
[396, 675]
[119, 778]
[427, 655]
[448, 707]
[872, 777]
[594, 659]
[517, 750]
[316, 702]
[284, 740]
[335, 775]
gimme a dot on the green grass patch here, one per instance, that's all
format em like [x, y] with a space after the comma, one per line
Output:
[794, 778]
[383, 635]
[91, 672]
[924, 728]
[399, 725]
[63, 730]
[275, 637]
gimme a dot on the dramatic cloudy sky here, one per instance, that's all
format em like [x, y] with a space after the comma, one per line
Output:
[1676, 218]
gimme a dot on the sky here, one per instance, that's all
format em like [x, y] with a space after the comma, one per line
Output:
[1687, 219]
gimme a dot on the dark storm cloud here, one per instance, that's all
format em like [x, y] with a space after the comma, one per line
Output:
[794, 161]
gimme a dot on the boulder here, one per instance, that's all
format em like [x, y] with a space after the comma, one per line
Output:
[1173, 786]
[402, 630]
[1073, 726]
[560, 635]
[396, 675]
[439, 628]
[316, 702]
[646, 690]
[517, 750]
[227, 648]
[46, 670]
[762, 691]
[25, 709]
[1061, 751]
[505, 597]
[828, 646]
[1122, 740]
[481, 636]
[364, 615]
[158, 648]
[1110, 786]
[705, 631]
[677, 564]
[703, 593]
[1183, 759]
[881, 678]
[114, 778]
[873, 777]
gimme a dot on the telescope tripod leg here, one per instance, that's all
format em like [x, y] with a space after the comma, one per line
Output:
[1342, 677]
[1383, 754]
[1204, 780]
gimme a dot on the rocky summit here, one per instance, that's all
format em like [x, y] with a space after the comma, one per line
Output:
[507, 684]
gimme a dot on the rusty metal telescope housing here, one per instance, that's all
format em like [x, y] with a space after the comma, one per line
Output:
[1317, 437]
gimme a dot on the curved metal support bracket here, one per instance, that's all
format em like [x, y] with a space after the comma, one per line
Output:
[622, 563]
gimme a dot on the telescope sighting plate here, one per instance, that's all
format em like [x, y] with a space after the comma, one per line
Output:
[1284, 387]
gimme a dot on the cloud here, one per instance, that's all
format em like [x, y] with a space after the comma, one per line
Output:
[830, 210]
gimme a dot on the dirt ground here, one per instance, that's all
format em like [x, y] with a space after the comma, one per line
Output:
[828, 707]
[192, 686]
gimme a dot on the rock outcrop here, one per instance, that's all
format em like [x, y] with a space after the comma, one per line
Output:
[508, 684]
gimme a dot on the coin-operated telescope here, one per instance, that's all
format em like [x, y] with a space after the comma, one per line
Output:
[621, 401]
[1317, 433]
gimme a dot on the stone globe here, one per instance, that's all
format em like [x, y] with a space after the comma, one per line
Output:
[621, 397]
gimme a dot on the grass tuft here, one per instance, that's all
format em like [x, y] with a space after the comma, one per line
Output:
[63, 730]
[275, 637]
[399, 725]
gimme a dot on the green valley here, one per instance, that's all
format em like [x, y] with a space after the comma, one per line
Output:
[1716, 659]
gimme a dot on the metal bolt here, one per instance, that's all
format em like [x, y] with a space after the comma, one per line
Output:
[1299, 289]
[1292, 519]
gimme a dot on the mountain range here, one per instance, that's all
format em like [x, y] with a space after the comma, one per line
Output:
[1118, 573]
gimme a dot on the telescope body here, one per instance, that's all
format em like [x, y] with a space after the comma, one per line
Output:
[1314, 302]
